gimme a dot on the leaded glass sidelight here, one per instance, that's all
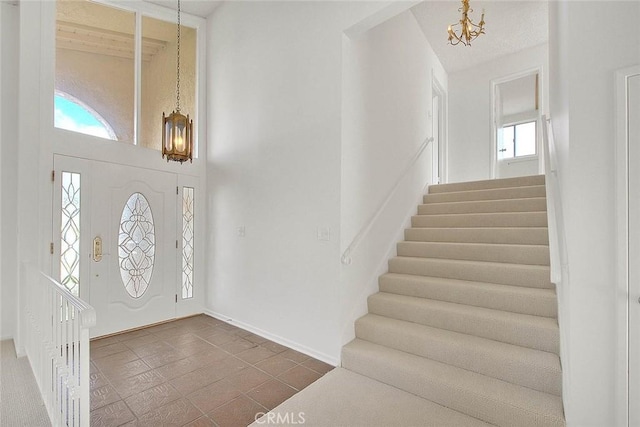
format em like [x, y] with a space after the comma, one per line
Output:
[187, 242]
[70, 232]
[136, 245]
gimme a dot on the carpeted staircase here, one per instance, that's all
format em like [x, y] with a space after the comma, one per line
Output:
[466, 317]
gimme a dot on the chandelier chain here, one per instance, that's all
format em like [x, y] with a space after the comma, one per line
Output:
[178, 63]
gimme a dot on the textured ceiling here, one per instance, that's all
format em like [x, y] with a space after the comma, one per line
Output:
[201, 8]
[510, 26]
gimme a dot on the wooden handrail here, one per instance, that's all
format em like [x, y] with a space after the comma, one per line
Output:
[346, 255]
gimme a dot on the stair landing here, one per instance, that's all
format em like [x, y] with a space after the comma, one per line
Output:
[344, 398]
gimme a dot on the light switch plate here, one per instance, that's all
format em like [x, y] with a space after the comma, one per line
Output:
[241, 231]
[324, 234]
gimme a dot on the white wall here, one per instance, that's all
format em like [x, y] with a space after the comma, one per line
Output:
[470, 110]
[583, 65]
[2, 282]
[509, 168]
[387, 93]
[9, 152]
[274, 166]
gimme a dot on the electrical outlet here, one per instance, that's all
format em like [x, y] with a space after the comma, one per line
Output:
[241, 231]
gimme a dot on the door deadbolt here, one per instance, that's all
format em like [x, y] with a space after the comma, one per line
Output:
[97, 249]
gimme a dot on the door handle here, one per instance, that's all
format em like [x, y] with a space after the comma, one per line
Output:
[97, 249]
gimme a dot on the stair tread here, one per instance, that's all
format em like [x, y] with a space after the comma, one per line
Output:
[486, 202]
[525, 330]
[488, 191]
[476, 263]
[477, 395]
[523, 181]
[477, 244]
[483, 271]
[483, 214]
[545, 358]
[523, 290]
[499, 235]
[479, 228]
[472, 251]
[531, 204]
[488, 194]
[505, 316]
[512, 363]
[484, 219]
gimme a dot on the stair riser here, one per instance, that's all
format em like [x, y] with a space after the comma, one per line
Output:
[480, 325]
[503, 298]
[515, 205]
[515, 236]
[520, 219]
[433, 383]
[529, 254]
[495, 194]
[524, 181]
[536, 370]
[503, 274]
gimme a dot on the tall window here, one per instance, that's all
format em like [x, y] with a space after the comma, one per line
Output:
[517, 111]
[96, 61]
[187, 242]
[70, 232]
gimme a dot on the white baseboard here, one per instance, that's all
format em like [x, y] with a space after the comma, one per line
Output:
[275, 338]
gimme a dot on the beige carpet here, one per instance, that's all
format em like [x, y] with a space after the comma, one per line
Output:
[20, 401]
[344, 398]
[464, 330]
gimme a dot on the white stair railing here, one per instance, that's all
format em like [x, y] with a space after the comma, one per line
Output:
[559, 261]
[366, 227]
[557, 247]
[57, 344]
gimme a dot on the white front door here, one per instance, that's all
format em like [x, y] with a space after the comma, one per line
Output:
[134, 213]
[125, 259]
[633, 124]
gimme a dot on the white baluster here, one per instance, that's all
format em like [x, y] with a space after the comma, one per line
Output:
[56, 340]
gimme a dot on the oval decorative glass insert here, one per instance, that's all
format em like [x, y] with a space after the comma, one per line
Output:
[136, 245]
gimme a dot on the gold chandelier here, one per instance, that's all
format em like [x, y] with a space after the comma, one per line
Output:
[468, 31]
[177, 129]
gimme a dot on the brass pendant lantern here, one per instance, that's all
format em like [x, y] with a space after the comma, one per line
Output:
[177, 129]
[468, 30]
[177, 137]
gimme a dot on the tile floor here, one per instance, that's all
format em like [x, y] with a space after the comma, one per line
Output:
[197, 371]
